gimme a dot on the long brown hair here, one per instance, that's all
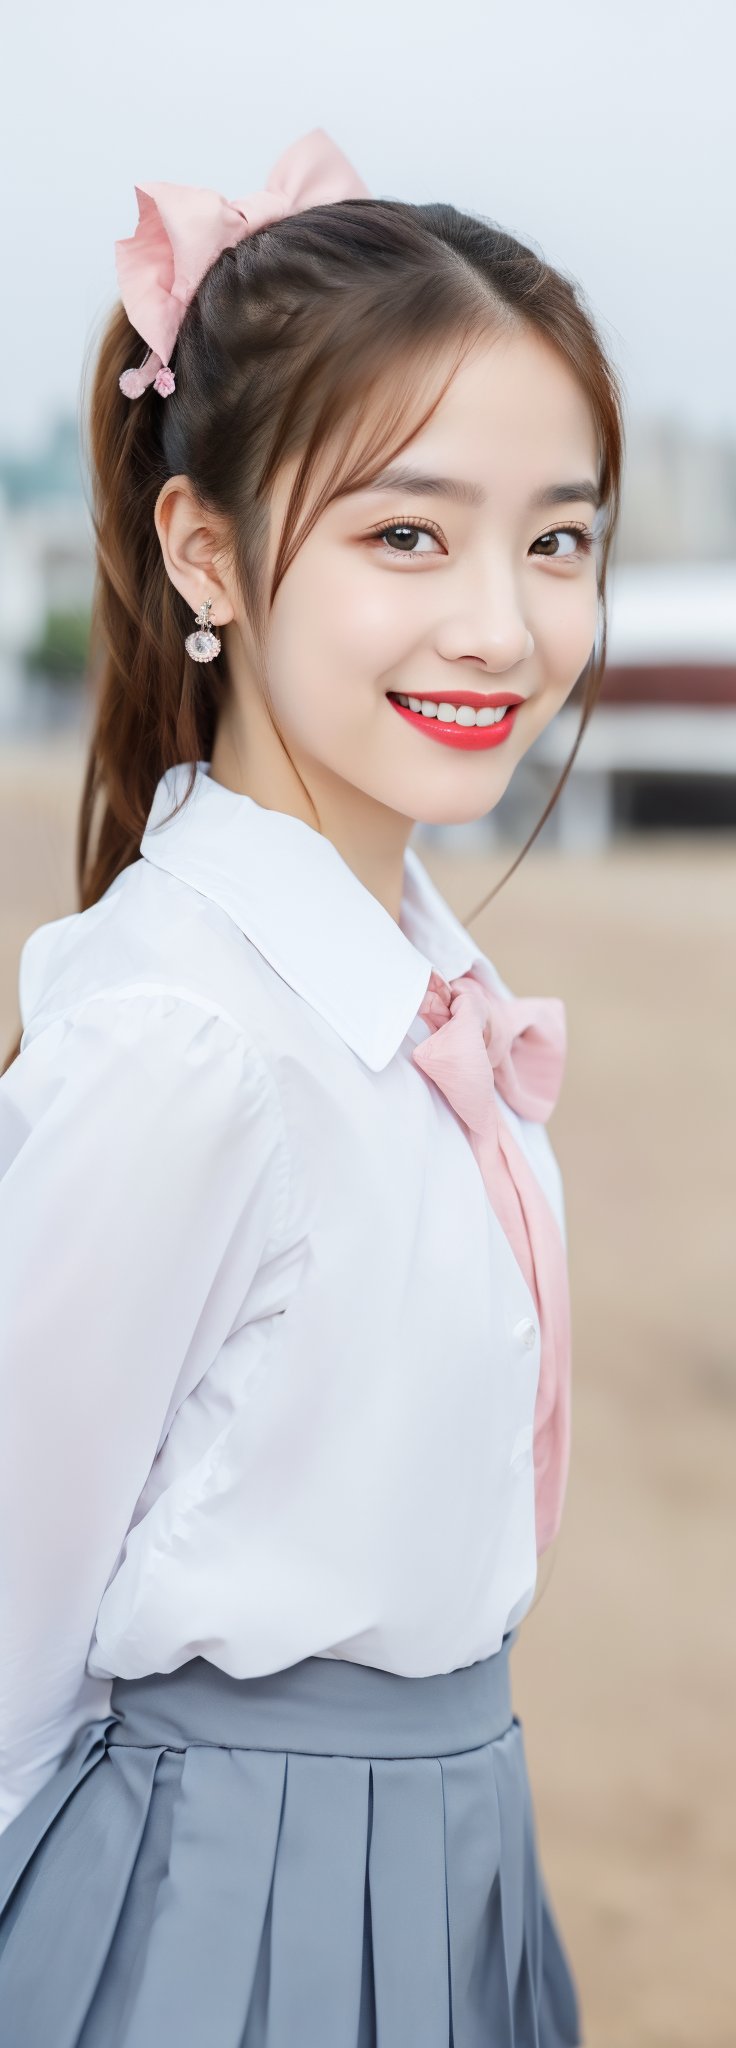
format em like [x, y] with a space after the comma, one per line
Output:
[318, 330]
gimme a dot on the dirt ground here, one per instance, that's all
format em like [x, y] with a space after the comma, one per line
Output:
[624, 1670]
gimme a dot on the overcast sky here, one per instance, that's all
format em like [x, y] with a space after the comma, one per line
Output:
[605, 134]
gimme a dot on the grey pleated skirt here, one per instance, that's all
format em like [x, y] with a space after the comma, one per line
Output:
[330, 1856]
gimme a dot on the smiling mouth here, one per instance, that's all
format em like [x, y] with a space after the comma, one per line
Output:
[457, 725]
[470, 711]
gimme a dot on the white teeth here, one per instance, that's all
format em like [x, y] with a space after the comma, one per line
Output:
[458, 714]
[492, 715]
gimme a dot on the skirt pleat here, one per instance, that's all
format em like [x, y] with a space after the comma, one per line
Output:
[477, 1949]
[406, 1873]
[204, 1912]
[72, 1894]
[181, 1891]
[316, 1933]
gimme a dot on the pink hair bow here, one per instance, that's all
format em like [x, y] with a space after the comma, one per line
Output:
[182, 229]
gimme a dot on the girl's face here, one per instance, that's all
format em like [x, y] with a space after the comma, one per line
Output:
[466, 581]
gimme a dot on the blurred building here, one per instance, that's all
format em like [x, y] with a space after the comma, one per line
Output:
[663, 733]
[679, 501]
[46, 567]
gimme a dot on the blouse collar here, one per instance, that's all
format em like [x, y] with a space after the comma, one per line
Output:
[289, 890]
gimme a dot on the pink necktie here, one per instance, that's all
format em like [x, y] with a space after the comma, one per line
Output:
[482, 1042]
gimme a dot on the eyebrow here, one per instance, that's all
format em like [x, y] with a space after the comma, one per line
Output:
[463, 493]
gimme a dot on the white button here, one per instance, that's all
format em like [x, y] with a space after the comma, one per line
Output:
[526, 1333]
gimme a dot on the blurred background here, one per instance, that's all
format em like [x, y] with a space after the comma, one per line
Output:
[607, 140]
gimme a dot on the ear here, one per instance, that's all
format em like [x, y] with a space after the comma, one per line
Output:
[193, 548]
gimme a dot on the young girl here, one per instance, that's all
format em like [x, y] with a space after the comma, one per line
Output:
[285, 1320]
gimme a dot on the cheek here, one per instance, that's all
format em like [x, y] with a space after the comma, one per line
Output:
[369, 619]
[568, 630]
[341, 620]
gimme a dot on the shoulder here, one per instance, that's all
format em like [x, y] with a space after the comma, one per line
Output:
[143, 1094]
[151, 943]
[143, 1052]
[134, 1008]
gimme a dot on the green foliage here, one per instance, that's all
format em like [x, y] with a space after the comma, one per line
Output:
[62, 648]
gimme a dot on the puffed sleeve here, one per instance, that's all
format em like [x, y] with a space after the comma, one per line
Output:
[142, 1177]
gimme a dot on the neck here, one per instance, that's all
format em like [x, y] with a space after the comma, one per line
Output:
[369, 837]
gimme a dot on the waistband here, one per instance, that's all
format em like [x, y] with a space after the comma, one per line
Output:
[323, 1705]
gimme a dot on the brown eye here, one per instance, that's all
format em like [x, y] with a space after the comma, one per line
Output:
[580, 534]
[402, 536]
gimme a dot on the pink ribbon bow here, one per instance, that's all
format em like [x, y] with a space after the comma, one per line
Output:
[182, 229]
[517, 1045]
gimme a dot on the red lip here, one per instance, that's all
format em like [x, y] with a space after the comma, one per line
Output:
[470, 737]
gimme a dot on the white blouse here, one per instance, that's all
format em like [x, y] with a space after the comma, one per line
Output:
[268, 1363]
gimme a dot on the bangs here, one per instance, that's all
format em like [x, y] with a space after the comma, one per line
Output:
[372, 420]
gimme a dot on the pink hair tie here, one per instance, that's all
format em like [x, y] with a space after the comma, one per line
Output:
[182, 229]
[133, 383]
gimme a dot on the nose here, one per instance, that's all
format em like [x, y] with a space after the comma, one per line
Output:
[488, 627]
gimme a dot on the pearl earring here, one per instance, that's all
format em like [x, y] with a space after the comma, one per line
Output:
[204, 644]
